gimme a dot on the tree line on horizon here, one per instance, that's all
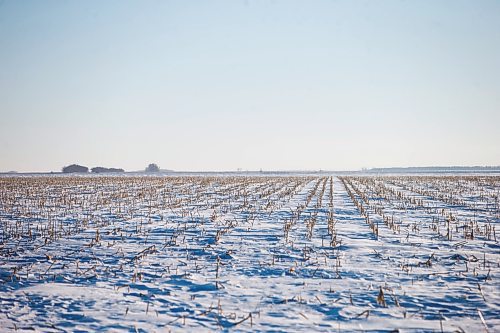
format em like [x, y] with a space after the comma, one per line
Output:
[76, 168]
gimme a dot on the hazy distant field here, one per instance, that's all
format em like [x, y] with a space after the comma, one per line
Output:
[250, 253]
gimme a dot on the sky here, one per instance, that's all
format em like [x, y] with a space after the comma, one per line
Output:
[227, 85]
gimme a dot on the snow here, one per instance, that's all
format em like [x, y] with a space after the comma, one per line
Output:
[211, 253]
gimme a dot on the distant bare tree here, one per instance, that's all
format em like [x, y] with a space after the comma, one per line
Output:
[153, 168]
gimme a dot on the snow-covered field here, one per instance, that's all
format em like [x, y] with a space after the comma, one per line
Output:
[237, 253]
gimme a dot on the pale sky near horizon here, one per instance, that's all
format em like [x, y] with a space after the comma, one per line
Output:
[273, 85]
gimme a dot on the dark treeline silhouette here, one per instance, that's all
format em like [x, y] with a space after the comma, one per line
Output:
[75, 168]
[106, 170]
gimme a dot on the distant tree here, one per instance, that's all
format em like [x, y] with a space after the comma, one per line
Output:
[75, 168]
[153, 168]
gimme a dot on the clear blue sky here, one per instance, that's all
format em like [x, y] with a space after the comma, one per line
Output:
[221, 85]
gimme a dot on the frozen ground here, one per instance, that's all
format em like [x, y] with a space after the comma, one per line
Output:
[413, 254]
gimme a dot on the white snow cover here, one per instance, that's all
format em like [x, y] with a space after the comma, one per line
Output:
[239, 253]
